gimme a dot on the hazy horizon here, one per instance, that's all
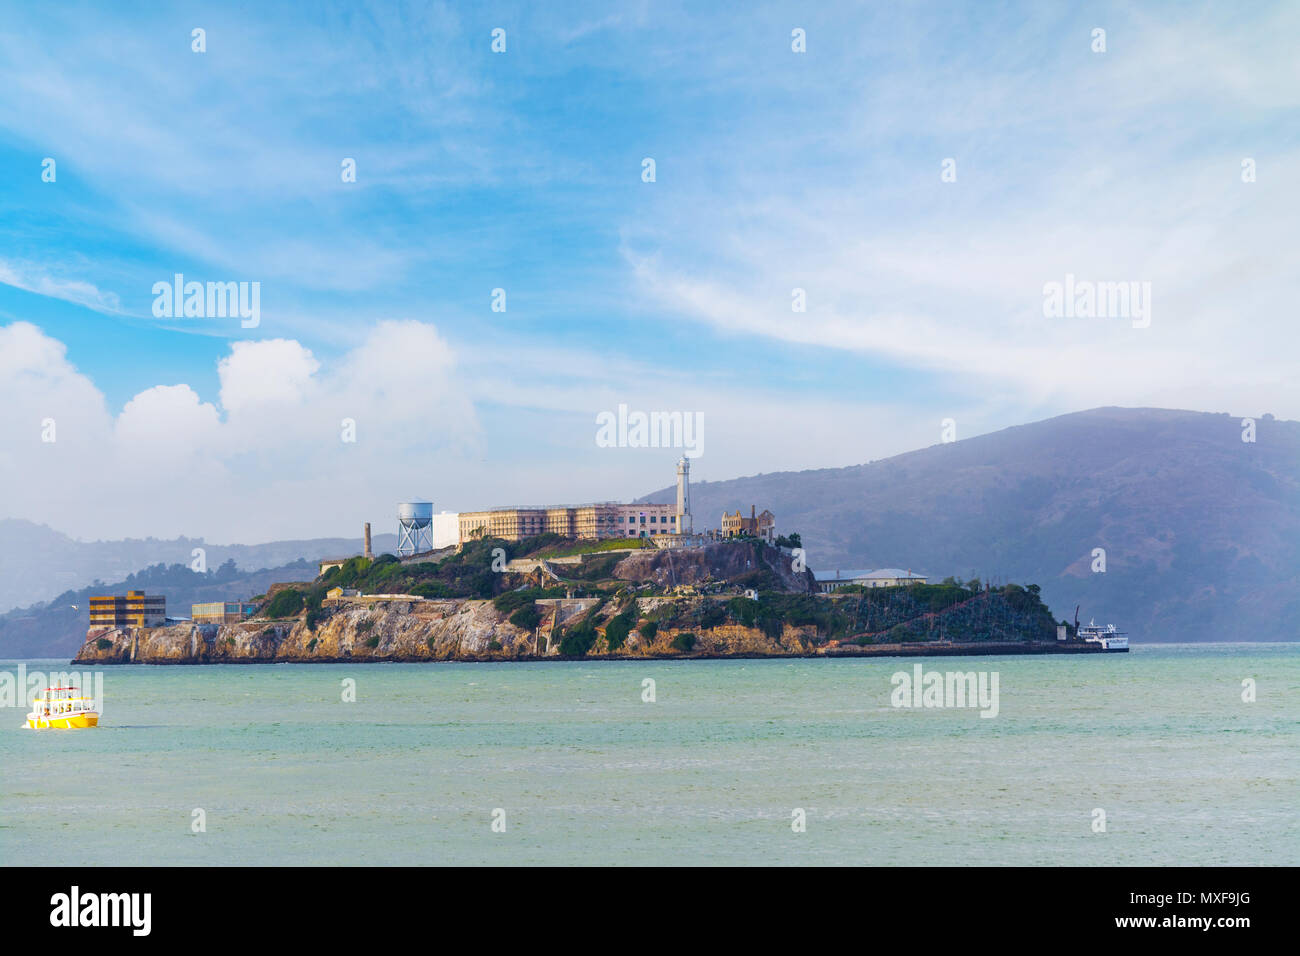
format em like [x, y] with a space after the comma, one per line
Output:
[379, 528]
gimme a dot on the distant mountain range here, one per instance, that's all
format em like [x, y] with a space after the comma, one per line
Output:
[1201, 530]
[38, 563]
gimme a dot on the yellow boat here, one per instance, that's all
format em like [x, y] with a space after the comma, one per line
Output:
[62, 707]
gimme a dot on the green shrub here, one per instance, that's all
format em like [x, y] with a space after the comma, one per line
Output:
[578, 640]
[711, 614]
[432, 589]
[311, 645]
[365, 624]
[563, 547]
[372, 642]
[597, 568]
[494, 645]
[355, 567]
[617, 630]
[314, 596]
[684, 642]
[770, 623]
[513, 600]
[482, 584]
[288, 603]
[648, 630]
[103, 643]
[312, 619]
[526, 618]
[744, 610]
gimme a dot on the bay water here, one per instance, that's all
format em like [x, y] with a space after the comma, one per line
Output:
[1151, 757]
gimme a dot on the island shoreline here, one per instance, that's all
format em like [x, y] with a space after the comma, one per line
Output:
[838, 653]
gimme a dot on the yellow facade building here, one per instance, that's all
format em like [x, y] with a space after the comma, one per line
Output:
[756, 525]
[136, 609]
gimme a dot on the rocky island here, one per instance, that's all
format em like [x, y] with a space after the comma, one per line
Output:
[531, 600]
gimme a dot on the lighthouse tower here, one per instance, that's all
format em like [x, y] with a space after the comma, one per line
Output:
[683, 496]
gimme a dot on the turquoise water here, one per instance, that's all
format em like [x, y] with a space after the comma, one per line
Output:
[586, 772]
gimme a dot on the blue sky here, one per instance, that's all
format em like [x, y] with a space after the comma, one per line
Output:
[522, 170]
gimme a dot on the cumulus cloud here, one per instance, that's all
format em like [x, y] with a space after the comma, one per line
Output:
[291, 444]
[37, 382]
[400, 359]
[274, 371]
[164, 421]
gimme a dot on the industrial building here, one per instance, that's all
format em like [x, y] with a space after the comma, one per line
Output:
[421, 532]
[755, 526]
[136, 609]
[222, 612]
[603, 520]
[446, 530]
[607, 519]
[828, 581]
[340, 596]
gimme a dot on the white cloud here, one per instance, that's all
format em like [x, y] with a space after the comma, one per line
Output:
[272, 371]
[398, 360]
[30, 278]
[269, 460]
[164, 421]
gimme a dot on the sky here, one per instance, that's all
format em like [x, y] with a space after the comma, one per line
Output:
[914, 176]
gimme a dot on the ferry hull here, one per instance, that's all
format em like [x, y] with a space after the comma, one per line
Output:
[68, 722]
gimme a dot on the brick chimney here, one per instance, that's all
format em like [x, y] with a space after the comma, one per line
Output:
[368, 553]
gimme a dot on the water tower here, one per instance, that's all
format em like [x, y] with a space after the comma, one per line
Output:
[414, 527]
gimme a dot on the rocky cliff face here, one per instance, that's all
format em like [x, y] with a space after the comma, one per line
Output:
[724, 561]
[407, 631]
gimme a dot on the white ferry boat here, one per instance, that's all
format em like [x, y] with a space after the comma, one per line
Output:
[1105, 635]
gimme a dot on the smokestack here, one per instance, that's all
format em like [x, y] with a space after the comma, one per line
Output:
[751, 512]
[368, 553]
